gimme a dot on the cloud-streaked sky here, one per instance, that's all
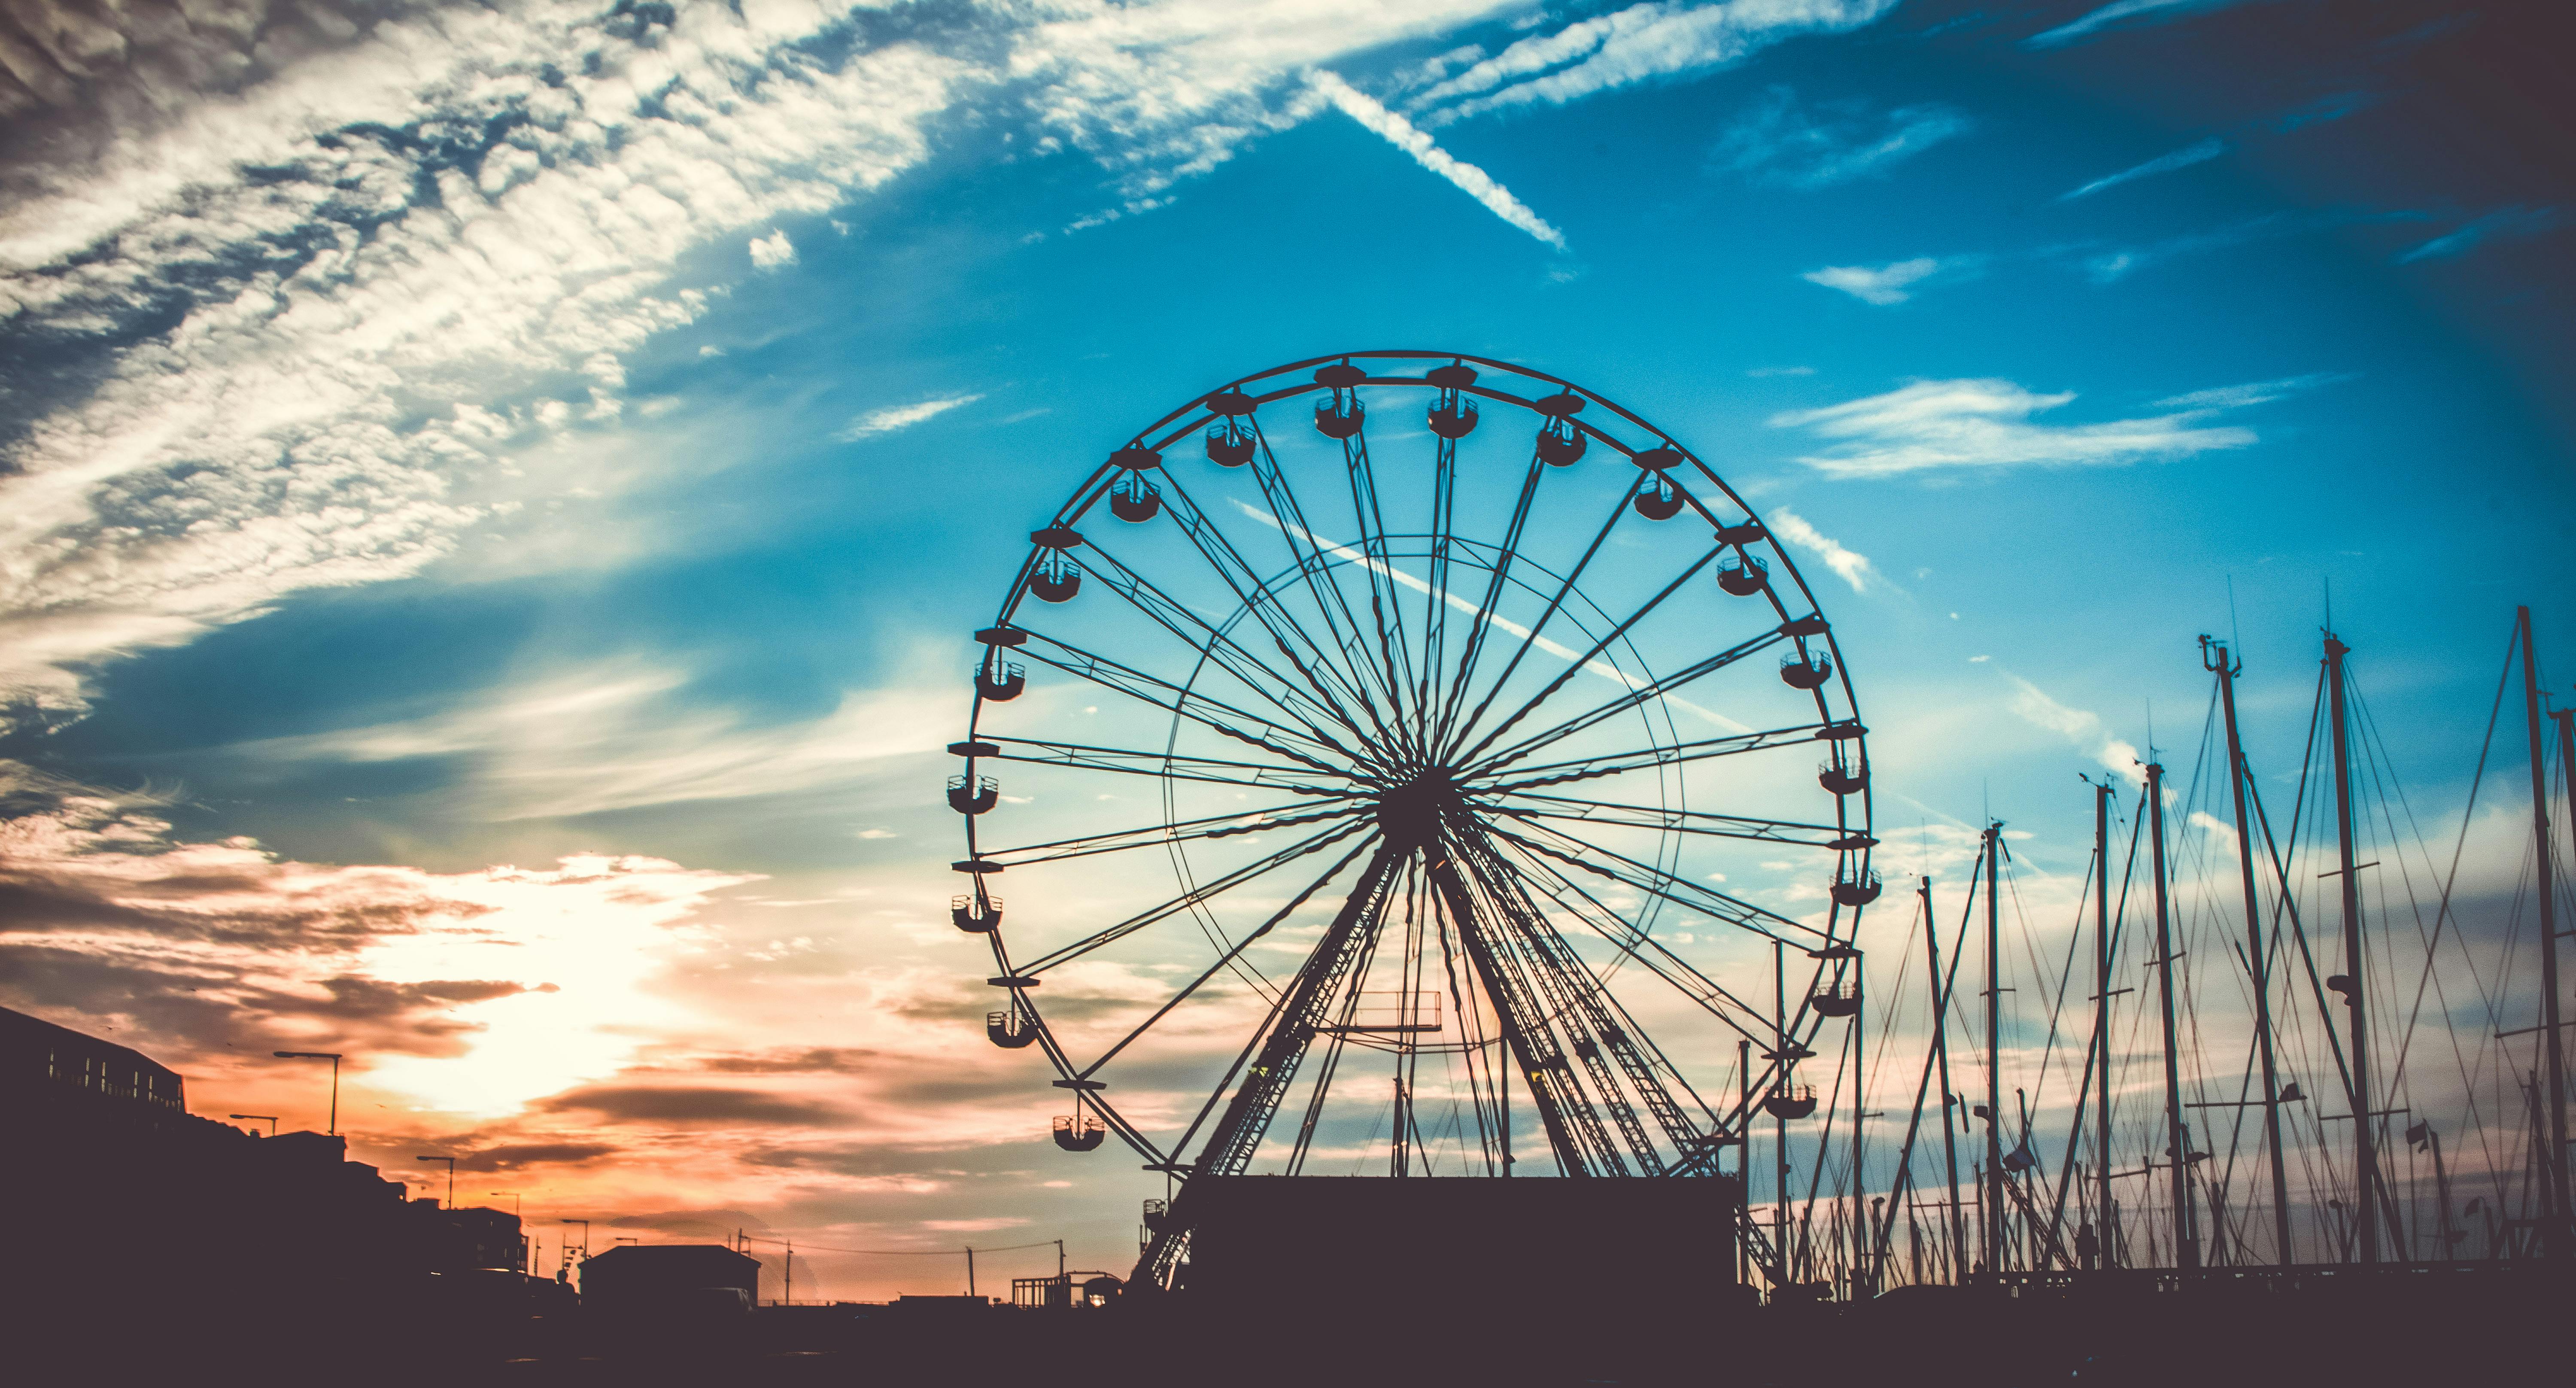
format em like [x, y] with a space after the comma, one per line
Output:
[495, 495]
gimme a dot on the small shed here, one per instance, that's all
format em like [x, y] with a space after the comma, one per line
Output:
[664, 1276]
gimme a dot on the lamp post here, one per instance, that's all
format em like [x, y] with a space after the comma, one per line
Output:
[269, 1118]
[514, 1201]
[334, 1058]
[585, 1234]
[451, 1177]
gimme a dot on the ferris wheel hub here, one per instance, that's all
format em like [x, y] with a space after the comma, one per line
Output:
[1410, 811]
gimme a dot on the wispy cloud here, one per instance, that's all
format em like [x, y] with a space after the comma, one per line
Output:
[1931, 425]
[618, 736]
[1780, 142]
[2253, 393]
[2325, 109]
[2200, 153]
[2082, 727]
[1882, 284]
[1402, 134]
[894, 417]
[1851, 565]
[2144, 11]
[2502, 224]
[1645, 42]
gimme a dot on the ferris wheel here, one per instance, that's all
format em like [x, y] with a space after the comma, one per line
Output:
[1413, 763]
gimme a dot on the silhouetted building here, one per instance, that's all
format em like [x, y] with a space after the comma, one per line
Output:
[220, 1240]
[473, 1237]
[669, 1289]
[53, 1074]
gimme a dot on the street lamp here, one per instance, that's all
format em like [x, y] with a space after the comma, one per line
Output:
[514, 1201]
[269, 1118]
[334, 1058]
[451, 1177]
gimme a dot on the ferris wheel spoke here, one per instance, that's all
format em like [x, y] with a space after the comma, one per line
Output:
[1649, 952]
[1230, 825]
[1377, 562]
[1191, 898]
[1619, 763]
[1226, 960]
[1703, 822]
[1317, 664]
[1619, 867]
[1530, 637]
[1478, 630]
[1296, 780]
[1435, 602]
[1219, 647]
[1587, 659]
[1332, 605]
[1638, 694]
[1614, 1054]
[1214, 714]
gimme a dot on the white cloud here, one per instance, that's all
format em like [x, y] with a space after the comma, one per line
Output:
[381, 321]
[1402, 134]
[1987, 423]
[2200, 153]
[2081, 727]
[1853, 566]
[894, 417]
[1881, 285]
[1640, 43]
[2253, 392]
[625, 736]
[467, 992]
[773, 251]
[1780, 142]
[2507, 222]
[1761, 372]
[2111, 14]
[407, 258]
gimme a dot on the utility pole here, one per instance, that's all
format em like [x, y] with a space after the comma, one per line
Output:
[451, 1179]
[1955, 1221]
[1992, 1198]
[2186, 1237]
[1743, 1163]
[2554, 1162]
[2365, 1154]
[2228, 667]
[1867, 1263]
[2102, 1015]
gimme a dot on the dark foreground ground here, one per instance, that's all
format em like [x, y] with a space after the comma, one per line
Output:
[2430, 1328]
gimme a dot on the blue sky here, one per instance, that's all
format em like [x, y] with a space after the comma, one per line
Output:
[549, 458]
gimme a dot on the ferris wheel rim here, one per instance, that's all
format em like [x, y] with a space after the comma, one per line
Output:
[1191, 417]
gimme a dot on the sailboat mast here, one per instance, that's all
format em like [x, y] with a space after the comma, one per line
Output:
[1992, 1198]
[2365, 1154]
[1954, 1221]
[2186, 1240]
[1779, 1111]
[2554, 1167]
[2228, 667]
[2102, 1018]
